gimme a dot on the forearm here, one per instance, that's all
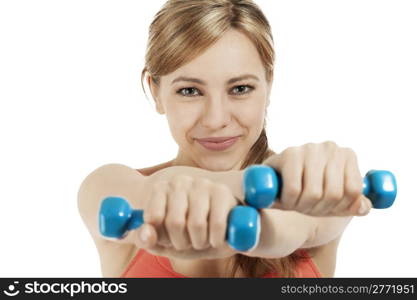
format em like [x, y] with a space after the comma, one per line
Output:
[283, 232]
[327, 230]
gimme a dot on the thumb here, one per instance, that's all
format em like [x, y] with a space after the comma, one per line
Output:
[146, 236]
[365, 206]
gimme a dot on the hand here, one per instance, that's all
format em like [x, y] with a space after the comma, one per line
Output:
[187, 218]
[320, 180]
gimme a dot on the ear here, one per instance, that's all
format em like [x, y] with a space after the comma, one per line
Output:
[155, 95]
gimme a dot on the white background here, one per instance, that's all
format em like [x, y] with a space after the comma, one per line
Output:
[71, 101]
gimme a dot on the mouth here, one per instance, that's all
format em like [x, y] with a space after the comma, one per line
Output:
[218, 143]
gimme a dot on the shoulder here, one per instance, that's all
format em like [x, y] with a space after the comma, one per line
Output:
[324, 257]
[116, 257]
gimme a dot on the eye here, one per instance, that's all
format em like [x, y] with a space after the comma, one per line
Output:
[187, 92]
[243, 89]
[193, 92]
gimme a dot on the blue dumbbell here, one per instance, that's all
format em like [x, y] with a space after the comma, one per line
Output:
[262, 186]
[116, 218]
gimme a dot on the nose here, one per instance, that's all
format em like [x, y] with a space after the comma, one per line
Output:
[216, 113]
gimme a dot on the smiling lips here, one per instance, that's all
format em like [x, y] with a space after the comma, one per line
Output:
[218, 143]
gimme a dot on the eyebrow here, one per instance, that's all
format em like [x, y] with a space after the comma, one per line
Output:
[230, 81]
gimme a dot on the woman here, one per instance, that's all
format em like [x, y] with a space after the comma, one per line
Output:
[209, 66]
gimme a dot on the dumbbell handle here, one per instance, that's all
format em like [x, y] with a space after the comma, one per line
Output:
[262, 186]
[116, 218]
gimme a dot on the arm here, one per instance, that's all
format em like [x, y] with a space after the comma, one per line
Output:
[283, 232]
[108, 180]
[123, 181]
[312, 179]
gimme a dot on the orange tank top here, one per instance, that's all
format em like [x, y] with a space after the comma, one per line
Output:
[146, 265]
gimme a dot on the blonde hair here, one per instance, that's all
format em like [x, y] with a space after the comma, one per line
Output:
[181, 31]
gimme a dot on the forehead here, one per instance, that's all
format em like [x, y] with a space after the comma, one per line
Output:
[232, 55]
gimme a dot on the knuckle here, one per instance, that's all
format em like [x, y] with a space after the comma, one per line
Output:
[196, 225]
[155, 218]
[221, 188]
[349, 151]
[220, 192]
[159, 186]
[292, 190]
[217, 225]
[175, 223]
[334, 195]
[181, 181]
[290, 152]
[223, 201]
[311, 146]
[330, 144]
[203, 182]
[313, 195]
[353, 189]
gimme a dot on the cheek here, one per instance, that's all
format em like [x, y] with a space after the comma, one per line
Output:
[252, 116]
[180, 120]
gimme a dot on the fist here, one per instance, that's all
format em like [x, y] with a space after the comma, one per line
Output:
[186, 217]
[320, 180]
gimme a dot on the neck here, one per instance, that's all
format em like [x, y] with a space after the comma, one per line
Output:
[182, 159]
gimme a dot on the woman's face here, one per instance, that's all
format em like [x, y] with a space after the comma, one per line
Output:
[222, 93]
